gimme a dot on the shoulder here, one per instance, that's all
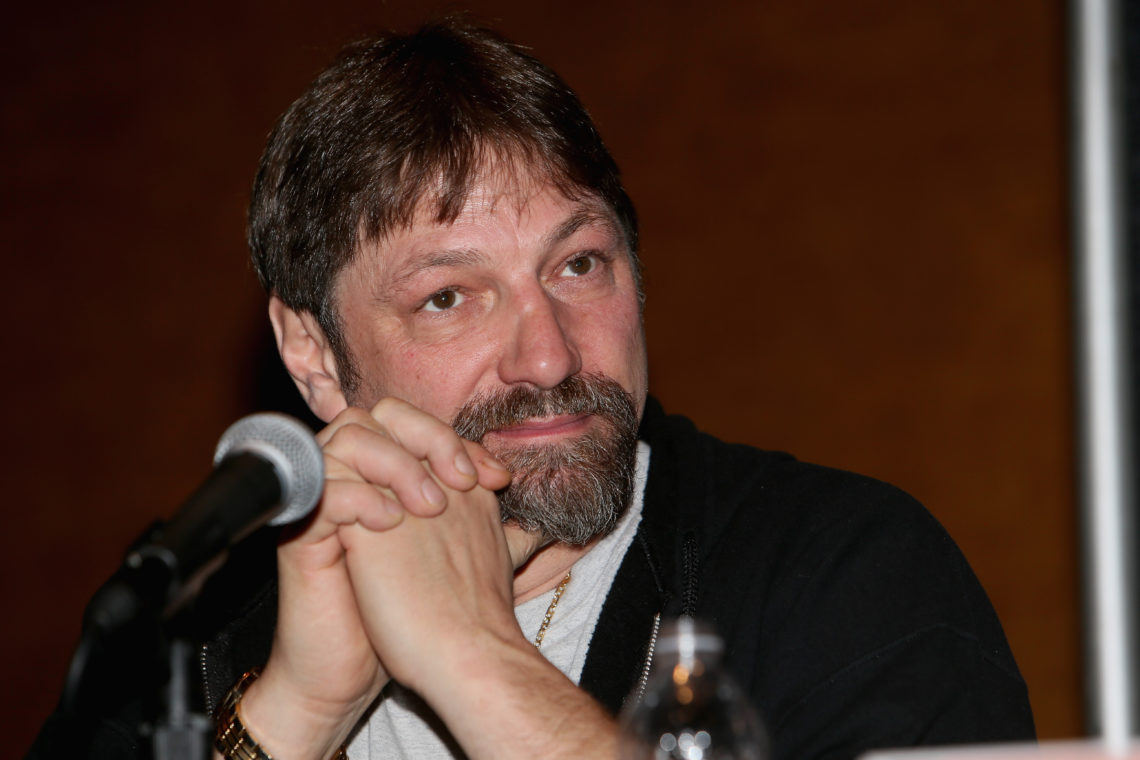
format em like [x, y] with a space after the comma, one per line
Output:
[833, 590]
[738, 492]
[781, 531]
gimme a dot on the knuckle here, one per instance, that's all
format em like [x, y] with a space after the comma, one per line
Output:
[348, 418]
[389, 405]
[354, 414]
[336, 470]
[355, 436]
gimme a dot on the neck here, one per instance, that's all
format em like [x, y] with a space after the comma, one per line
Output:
[546, 569]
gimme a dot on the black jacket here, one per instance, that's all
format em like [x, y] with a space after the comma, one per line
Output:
[848, 613]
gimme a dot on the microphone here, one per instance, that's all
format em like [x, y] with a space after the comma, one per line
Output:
[268, 468]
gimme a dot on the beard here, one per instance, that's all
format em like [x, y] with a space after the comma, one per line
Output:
[573, 490]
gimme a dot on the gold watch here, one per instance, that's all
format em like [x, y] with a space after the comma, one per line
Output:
[230, 736]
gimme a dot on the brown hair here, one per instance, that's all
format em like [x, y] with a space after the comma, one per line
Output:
[398, 120]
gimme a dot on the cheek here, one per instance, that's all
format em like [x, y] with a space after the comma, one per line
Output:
[436, 379]
[422, 375]
[400, 371]
[615, 337]
[637, 357]
[419, 365]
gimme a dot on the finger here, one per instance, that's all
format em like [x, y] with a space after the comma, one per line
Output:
[360, 452]
[356, 502]
[426, 437]
[521, 544]
[493, 475]
[351, 415]
[347, 499]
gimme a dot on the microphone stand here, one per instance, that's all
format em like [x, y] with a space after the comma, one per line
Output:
[121, 627]
[267, 468]
[181, 733]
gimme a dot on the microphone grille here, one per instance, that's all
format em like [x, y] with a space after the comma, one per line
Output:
[289, 445]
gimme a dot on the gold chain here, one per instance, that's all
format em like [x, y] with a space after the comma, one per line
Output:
[550, 610]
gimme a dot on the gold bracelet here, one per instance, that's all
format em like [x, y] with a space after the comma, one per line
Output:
[230, 736]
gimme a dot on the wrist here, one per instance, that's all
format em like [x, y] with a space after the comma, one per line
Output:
[509, 702]
[259, 723]
[460, 671]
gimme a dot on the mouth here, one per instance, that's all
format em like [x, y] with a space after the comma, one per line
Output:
[543, 428]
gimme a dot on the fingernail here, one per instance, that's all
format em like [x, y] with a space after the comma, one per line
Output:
[432, 493]
[463, 464]
[494, 463]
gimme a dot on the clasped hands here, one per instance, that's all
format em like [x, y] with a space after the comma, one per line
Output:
[405, 572]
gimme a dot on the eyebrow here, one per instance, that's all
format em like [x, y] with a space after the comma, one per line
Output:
[587, 216]
[437, 258]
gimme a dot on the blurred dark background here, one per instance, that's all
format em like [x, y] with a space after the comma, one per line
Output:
[854, 226]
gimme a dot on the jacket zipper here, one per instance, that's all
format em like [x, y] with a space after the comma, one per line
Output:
[202, 653]
[644, 679]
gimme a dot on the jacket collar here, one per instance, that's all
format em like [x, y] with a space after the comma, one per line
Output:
[647, 587]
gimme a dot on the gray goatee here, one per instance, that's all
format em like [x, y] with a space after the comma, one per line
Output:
[573, 490]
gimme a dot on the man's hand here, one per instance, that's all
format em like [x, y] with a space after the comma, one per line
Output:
[322, 671]
[436, 599]
[430, 589]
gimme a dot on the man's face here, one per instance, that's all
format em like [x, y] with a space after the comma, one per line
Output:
[528, 301]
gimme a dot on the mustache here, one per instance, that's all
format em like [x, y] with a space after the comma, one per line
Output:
[578, 394]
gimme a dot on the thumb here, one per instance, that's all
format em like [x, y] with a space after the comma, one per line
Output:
[522, 544]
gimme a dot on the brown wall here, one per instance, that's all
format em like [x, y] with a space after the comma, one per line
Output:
[854, 234]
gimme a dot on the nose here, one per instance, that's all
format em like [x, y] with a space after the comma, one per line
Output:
[539, 349]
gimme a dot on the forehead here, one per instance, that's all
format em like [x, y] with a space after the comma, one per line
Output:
[501, 209]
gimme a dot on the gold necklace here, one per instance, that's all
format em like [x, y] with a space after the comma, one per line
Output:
[550, 610]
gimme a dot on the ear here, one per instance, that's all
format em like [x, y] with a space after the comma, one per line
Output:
[308, 357]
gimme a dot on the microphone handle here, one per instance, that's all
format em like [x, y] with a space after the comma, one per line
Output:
[167, 566]
[241, 494]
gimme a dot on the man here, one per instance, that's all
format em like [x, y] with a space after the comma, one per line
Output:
[454, 288]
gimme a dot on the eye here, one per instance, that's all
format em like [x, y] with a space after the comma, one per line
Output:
[443, 300]
[580, 265]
